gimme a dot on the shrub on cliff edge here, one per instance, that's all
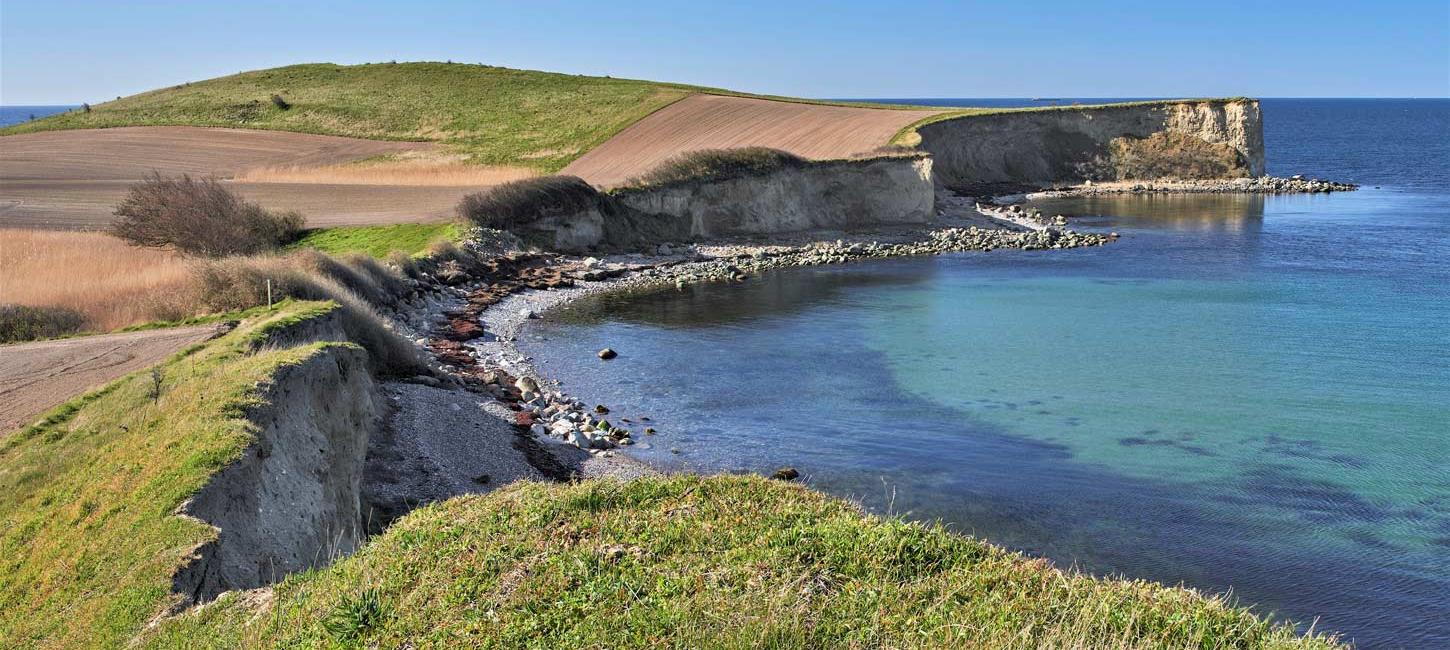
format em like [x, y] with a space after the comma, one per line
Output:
[716, 164]
[524, 201]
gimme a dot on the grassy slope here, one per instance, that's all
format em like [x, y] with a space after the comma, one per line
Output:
[496, 116]
[701, 562]
[88, 541]
[378, 241]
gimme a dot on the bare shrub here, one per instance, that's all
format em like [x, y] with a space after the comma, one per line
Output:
[716, 164]
[525, 201]
[26, 323]
[198, 216]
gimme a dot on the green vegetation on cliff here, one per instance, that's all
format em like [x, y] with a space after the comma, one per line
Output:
[701, 562]
[88, 535]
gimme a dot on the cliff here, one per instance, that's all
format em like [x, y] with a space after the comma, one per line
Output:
[291, 501]
[819, 195]
[1171, 139]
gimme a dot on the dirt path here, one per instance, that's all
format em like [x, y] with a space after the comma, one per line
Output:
[717, 122]
[36, 376]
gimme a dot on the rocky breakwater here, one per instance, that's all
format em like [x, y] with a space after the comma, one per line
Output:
[1259, 185]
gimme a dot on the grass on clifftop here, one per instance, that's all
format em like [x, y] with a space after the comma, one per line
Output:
[88, 538]
[378, 241]
[692, 562]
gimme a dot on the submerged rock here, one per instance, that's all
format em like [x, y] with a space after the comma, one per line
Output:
[786, 474]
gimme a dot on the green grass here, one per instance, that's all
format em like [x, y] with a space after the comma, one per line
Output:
[495, 116]
[88, 538]
[693, 562]
[378, 241]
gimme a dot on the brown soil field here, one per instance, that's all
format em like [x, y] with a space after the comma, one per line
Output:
[718, 122]
[36, 376]
[71, 180]
[130, 153]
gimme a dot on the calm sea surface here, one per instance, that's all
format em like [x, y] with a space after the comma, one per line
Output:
[1246, 393]
[17, 114]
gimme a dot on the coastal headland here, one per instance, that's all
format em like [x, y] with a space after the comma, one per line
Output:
[364, 455]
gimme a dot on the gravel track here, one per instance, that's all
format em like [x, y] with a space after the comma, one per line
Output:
[36, 376]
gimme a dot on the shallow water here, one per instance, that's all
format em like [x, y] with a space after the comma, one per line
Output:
[1246, 393]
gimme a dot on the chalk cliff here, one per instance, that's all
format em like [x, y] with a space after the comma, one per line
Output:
[1171, 139]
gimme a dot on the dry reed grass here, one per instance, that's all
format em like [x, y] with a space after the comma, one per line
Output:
[420, 173]
[108, 282]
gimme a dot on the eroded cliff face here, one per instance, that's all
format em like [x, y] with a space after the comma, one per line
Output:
[828, 195]
[1195, 139]
[291, 502]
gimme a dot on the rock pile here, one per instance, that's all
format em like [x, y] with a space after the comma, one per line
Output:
[1261, 185]
[949, 240]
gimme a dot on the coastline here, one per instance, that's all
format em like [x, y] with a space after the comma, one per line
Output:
[577, 434]
[474, 332]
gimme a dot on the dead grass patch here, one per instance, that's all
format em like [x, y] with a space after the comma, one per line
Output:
[98, 276]
[392, 172]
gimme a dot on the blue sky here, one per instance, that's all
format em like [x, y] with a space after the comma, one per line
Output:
[66, 52]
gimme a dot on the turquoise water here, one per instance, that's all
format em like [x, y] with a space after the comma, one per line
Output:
[1245, 393]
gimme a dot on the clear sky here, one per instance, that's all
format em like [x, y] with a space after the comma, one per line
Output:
[58, 51]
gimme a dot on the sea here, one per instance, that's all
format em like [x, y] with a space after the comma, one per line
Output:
[1243, 394]
[16, 114]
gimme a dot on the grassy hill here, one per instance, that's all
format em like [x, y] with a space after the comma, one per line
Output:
[494, 116]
